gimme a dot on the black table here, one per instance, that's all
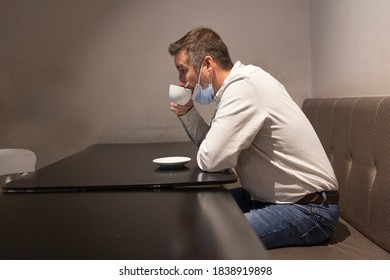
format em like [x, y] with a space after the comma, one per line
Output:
[200, 223]
[121, 166]
[110, 201]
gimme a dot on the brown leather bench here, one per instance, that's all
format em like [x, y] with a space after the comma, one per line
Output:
[355, 133]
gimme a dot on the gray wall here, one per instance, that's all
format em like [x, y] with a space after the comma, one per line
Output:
[350, 42]
[77, 72]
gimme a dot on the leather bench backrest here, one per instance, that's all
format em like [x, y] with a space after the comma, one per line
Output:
[355, 133]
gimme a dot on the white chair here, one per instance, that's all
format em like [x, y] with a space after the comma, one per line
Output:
[15, 163]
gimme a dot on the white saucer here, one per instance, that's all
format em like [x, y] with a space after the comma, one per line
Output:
[172, 161]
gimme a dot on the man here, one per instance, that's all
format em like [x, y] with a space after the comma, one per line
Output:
[289, 193]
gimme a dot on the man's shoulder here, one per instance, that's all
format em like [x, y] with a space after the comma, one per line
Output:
[241, 71]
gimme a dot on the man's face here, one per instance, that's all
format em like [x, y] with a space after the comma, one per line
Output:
[186, 71]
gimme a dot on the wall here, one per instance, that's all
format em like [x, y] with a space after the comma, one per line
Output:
[78, 72]
[350, 47]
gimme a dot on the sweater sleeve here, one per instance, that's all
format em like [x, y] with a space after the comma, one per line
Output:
[195, 126]
[239, 117]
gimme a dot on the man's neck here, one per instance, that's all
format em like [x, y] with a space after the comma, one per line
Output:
[220, 76]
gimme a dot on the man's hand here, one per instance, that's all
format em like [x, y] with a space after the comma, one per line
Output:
[181, 110]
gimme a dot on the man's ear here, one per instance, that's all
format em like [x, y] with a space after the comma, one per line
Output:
[208, 61]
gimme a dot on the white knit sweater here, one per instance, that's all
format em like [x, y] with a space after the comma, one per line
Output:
[261, 132]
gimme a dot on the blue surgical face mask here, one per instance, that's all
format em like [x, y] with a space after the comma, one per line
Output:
[203, 96]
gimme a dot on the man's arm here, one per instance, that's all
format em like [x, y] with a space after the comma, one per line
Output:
[192, 121]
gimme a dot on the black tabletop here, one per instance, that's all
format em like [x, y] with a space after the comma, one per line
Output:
[118, 166]
[201, 223]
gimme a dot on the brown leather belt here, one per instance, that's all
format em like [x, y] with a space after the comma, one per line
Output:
[331, 197]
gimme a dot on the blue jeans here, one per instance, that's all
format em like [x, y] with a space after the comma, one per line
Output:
[283, 225]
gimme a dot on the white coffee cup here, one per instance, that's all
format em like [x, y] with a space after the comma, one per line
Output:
[179, 95]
